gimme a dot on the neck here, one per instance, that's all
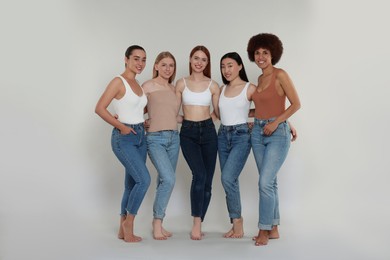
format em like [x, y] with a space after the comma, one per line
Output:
[268, 71]
[129, 74]
[161, 81]
[236, 82]
[197, 76]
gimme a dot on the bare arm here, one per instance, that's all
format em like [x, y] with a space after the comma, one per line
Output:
[288, 88]
[115, 89]
[179, 92]
[291, 94]
[215, 92]
[251, 89]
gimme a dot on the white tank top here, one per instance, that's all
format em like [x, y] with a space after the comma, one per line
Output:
[196, 98]
[130, 108]
[234, 110]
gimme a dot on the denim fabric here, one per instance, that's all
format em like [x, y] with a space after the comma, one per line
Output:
[198, 141]
[233, 150]
[163, 150]
[270, 153]
[130, 149]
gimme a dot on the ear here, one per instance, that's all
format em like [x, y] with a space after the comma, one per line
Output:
[126, 60]
[156, 67]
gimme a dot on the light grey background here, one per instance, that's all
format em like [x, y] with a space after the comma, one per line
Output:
[60, 184]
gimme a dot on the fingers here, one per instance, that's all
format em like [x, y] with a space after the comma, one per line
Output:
[132, 131]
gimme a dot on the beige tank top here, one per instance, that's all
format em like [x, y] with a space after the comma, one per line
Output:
[162, 110]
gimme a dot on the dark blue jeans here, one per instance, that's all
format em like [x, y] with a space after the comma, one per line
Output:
[199, 144]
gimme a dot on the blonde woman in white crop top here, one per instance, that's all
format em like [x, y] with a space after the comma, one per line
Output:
[198, 138]
[128, 136]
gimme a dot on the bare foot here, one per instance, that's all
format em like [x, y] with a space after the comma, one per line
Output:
[128, 230]
[196, 232]
[121, 234]
[237, 230]
[262, 238]
[157, 230]
[229, 233]
[274, 233]
[165, 232]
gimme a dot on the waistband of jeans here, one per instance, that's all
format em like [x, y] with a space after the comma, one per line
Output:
[232, 127]
[264, 121]
[164, 131]
[135, 125]
[259, 121]
[198, 123]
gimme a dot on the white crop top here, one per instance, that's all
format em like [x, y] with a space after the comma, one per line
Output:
[196, 98]
[234, 110]
[130, 108]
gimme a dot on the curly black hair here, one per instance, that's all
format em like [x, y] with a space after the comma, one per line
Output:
[267, 41]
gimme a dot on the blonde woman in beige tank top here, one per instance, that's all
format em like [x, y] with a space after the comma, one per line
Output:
[162, 136]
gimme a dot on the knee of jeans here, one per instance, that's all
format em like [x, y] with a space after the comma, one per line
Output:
[227, 181]
[266, 187]
[170, 182]
[146, 181]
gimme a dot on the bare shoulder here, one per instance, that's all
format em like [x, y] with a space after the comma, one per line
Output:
[252, 87]
[147, 85]
[214, 84]
[281, 74]
[115, 84]
[214, 87]
[179, 85]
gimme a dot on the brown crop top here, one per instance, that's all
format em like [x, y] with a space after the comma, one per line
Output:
[268, 103]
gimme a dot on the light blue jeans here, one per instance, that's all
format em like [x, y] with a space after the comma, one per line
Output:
[234, 145]
[270, 153]
[163, 150]
[130, 149]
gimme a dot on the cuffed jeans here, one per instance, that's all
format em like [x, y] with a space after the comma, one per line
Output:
[130, 149]
[270, 153]
[198, 141]
[163, 150]
[233, 150]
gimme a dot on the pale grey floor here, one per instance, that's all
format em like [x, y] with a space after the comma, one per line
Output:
[97, 240]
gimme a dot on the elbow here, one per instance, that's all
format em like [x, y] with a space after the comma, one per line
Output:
[298, 106]
[97, 110]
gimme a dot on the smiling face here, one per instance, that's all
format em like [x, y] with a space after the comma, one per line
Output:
[136, 61]
[165, 68]
[199, 61]
[230, 69]
[263, 58]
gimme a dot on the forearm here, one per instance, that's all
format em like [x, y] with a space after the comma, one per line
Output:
[288, 113]
[106, 116]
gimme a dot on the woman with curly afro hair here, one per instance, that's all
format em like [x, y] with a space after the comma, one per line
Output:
[271, 132]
